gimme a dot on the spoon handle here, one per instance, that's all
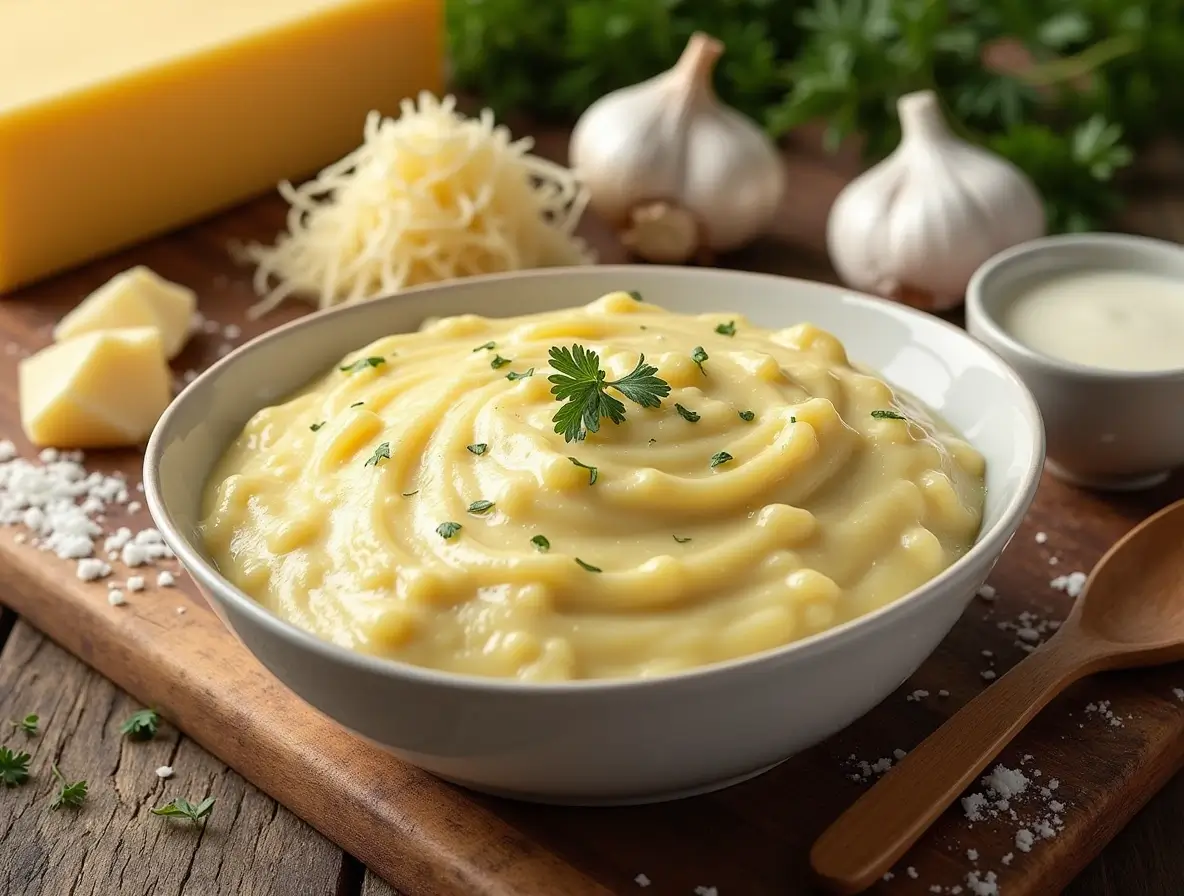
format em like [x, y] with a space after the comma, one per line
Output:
[865, 841]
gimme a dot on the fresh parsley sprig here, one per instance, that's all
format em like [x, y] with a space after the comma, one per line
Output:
[141, 725]
[14, 767]
[28, 724]
[579, 382]
[71, 794]
[182, 808]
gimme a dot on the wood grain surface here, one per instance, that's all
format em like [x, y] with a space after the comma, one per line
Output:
[428, 838]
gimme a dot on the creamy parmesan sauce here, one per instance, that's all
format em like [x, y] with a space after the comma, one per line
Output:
[1117, 320]
[825, 510]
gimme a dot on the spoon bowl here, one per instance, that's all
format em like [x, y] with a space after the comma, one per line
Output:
[1130, 613]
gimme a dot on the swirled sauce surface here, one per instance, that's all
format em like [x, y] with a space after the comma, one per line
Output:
[417, 503]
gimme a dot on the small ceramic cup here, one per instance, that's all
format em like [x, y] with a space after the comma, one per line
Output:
[1106, 429]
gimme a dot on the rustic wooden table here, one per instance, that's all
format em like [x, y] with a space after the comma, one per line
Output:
[255, 847]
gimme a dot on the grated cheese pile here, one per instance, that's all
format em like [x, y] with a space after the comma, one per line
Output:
[429, 196]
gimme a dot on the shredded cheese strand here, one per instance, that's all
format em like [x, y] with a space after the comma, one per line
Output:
[429, 196]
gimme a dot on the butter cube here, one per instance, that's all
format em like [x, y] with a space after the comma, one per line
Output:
[100, 390]
[138, 297]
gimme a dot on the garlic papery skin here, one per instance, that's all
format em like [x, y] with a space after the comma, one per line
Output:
[678, 174]
[915, 226]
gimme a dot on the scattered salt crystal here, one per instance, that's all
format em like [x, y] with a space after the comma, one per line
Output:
[1006, 782]
[1006, 860]
[987, 593]
[917, 695]
[982, 885]
[1178, 693]
[898, 754]
[1070, 584]
[90, 569]
[988, 674]
[706, 891]
[911, 872]
[642, 880]
[165, 579]
[180, 611]
[973, 806]
[1024, 840]
[135, 583]
[232, 331]
[988, 653]
[888, 875]
[972, 854]
[1041, 537]
[944, 693]
[115, 598]
[165, 771]
[134, 507]
[210, 326]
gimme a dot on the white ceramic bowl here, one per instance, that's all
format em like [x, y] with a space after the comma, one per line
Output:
[596, 742]
[1107, 429]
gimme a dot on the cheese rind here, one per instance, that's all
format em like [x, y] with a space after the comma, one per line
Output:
[100, 390]
[138, 297]
[149, 114]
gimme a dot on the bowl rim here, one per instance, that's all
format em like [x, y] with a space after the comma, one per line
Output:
[990, 542]
[978, 311]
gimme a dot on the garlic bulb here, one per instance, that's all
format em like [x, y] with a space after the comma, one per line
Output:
[916, 226]
[678, 174]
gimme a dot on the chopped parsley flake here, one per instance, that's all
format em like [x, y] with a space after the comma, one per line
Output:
[489, 346]
[481, 507]
[793, 419]
[14, 767]
[357, 404]
[593, 473]
[512, 375]
[409, 494]
[381, 453]
[478, 448]
[699, 356]
[687, 414]
[588, 566]
[541, 543]
[449, 529]
[182, 808]
[728, 329]
[141, 725]
[635, 295]
[720, 457]
[28, 724]
[747, 416]
[69, 794]
[681, 540]
[316, 426]
[362, 364]
[887, 415]
[499, 362]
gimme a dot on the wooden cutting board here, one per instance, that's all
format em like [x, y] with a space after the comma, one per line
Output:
[432, 839]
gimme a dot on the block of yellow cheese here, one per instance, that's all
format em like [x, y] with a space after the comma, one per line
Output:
[100, 390]
[138, 297]
[121, 119]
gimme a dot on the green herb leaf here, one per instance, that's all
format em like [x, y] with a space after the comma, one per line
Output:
[698, 355]
[887, 415]
[635, 295]
[728, 329]
[448, 530]
[479, 507]
[579, 382]
[381, 453]
[593, 473]
[182, 808]
[28, 724]
[498, 362]
[70, 794]
[14, 767]
[681, 540]
[316, 426]
[141, 725]
[688, 415]
[747, 416]
[588, 566]
[541, 543]
[720, 457]
[489, 346]
[478, 448]
[520, 376]
[793, 419]
[362, 364]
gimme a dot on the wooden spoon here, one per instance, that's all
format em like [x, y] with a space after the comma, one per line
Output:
[1131, 613]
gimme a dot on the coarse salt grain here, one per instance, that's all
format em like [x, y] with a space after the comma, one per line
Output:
[706, 891]
[1072, 584]
[1024, 840]
[135, 583]
[917, 695]
[1041, 537]
[988, 674]
[91, 569]
[165, 771]
[642, 880]
[1178, 693]
[982, 884]
[1006, 860]
[987, 593]
[911, 872]
[115, 598]
[972, 854]
[165, 579]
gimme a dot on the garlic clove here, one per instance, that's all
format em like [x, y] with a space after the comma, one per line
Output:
[915, 226]
[675, 171]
